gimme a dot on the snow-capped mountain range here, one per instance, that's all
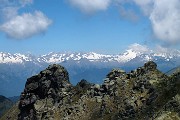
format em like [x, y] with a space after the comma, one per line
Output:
[53, 57]
[16, 68]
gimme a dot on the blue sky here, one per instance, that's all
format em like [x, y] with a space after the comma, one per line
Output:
[103, 26]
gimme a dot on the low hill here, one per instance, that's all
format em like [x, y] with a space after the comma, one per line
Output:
[174, 70]
[5, 104]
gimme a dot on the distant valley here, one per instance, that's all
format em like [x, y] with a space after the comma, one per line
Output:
[16, 68]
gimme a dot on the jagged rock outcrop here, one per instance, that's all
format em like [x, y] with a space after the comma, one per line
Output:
[43, 91]
[142, 94]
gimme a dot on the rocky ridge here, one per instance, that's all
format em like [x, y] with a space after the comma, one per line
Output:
[145, 93]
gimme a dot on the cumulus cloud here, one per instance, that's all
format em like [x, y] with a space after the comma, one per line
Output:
[145, 5]
[26, 25]
[21, 26]
[128, 14]
[9, 12]
[165, 19]
[8, 9]
[160, 49]
[90, 6]
[139, 48]
[163, 14]
[157, 50]
[25, 2]
[15, 3]
[167, 51]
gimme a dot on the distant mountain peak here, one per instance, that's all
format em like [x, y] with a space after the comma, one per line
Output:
[59, 57]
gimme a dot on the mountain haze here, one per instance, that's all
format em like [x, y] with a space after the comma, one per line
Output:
[16, 68]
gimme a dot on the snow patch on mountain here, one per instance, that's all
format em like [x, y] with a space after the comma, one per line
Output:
[135, 51]
[9, 58]
[128, 55]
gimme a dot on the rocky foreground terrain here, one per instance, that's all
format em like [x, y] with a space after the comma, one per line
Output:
[143, 94]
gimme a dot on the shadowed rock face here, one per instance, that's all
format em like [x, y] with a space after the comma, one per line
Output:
[48, 86]
[144, 93]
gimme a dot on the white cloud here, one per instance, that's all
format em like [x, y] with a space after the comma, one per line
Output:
[26, 25]
[8, 9]
[157, 50]
[128, 14]
[15, 3]
[145, 5]
[160, 49]
[163, 14]
[167, 51]
[90, 6]
[25, 2]
[165, 19]
[139, 48]
[21, 26]
[9, 12]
